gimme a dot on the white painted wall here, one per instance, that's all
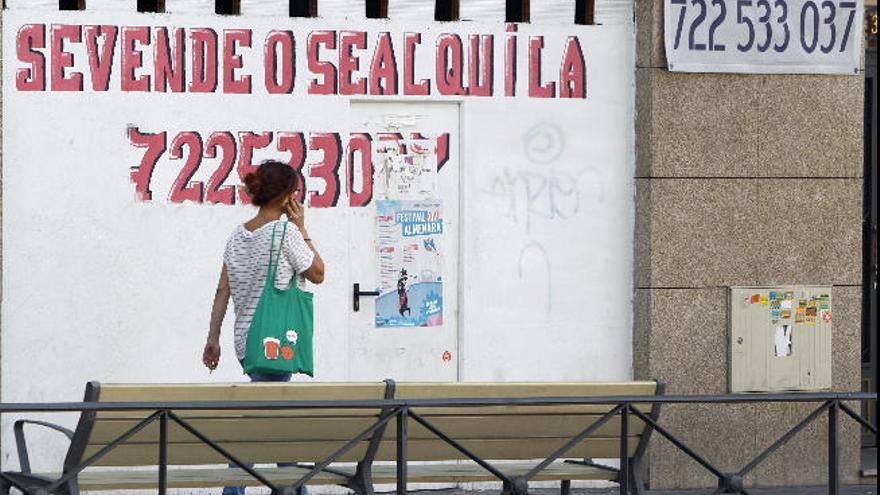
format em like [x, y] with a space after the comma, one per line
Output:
[99, 285]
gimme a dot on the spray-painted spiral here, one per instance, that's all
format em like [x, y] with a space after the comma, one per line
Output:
[544, 143]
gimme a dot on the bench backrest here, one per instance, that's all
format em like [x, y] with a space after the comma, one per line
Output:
[308, 435]
[515, 432]
[266, 436]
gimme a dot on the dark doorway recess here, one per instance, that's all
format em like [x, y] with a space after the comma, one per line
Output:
[303, 8]
[71, 4]
[377, 9]
[446, 10]
[227, 7]
[517, 11]
[583, 11]
[870, 307]
[151, 5]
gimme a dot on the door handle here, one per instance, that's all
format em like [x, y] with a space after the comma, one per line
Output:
[357, 293]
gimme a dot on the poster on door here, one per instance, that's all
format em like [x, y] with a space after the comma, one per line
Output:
[409, 237]
[407, 169]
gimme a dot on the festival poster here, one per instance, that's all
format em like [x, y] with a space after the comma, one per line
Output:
[409, 244]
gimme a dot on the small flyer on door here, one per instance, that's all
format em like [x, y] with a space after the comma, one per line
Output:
[407, 169]
[409, 237]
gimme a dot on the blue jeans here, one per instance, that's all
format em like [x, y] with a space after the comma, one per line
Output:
[265, 377]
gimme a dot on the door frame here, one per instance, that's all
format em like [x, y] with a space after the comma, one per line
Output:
[870, 259]
[461, 104]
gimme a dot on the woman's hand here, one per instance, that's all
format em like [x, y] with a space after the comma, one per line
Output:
[295, 213]
[211, 354]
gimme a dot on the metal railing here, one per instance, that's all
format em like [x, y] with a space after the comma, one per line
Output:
[402, 411]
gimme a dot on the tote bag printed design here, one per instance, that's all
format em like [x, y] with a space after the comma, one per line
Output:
[280, 336]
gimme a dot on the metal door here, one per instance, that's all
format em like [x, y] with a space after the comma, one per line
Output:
[427, 353]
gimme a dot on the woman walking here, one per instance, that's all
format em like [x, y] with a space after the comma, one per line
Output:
[272, 188]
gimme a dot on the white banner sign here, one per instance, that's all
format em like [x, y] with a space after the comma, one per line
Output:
[764, 36]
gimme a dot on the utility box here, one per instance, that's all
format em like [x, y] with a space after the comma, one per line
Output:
[780, 338]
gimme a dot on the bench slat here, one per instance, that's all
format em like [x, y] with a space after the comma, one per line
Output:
[193, 478]
[245, 413]
[470, 472]
[520, 428]
[428, 412]
[238, 429]
[496, 411]
[427, 390]
[368, 391]
[342, 428]
[406, 391]
[242, 392]
[418, 450]
[214, 477]
[437, 450]
[116, 392]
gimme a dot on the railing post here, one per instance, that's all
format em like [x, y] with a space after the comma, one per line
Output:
[163, 453]
[402, 416]
[833, 472]
[623, 473]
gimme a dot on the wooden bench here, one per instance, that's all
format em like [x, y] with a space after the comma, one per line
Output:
[511, 440]
[518, 436]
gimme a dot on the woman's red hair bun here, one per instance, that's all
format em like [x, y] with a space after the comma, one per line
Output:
[271, 180]
[253, 182]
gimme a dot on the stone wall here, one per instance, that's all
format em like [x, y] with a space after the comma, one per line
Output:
[741, 180]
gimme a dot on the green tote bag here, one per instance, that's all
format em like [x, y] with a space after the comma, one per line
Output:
[280, 336]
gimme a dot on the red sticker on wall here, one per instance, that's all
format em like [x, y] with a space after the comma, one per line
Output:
[447, 356]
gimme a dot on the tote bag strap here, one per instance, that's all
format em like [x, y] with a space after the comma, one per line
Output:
[275, 254]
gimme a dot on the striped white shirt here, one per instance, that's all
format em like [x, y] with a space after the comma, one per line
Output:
[247, 259]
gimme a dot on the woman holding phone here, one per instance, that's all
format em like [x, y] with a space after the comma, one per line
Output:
[272, 188]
